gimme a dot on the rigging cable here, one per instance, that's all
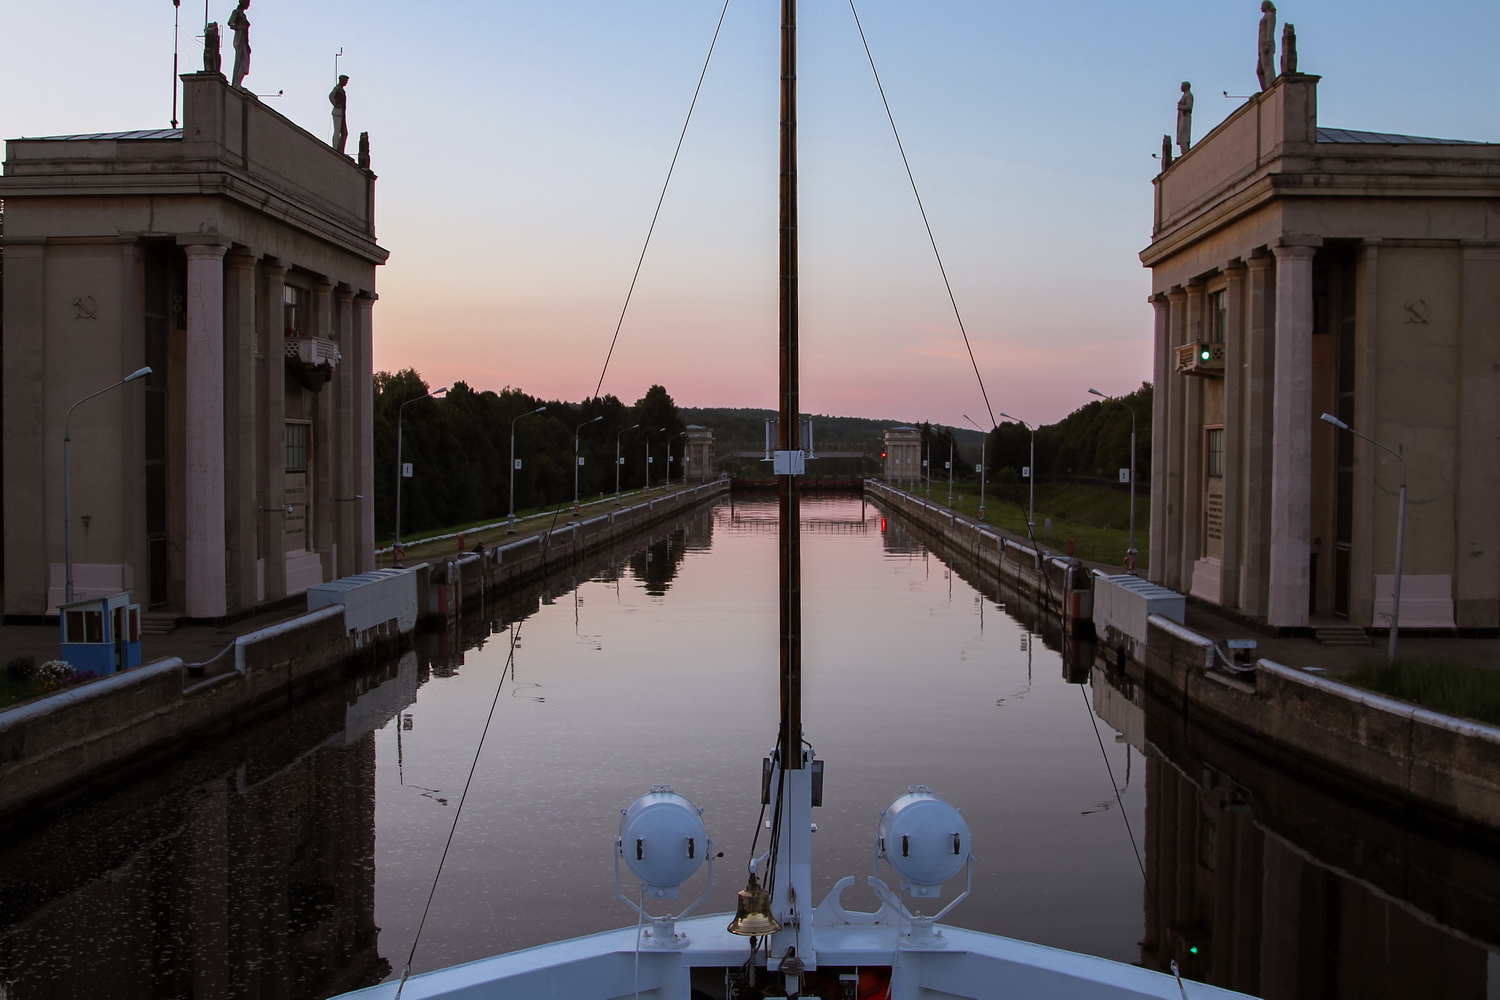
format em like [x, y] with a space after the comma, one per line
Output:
[923, 210]
[510, 666]
[1114, 786]
[682, 136]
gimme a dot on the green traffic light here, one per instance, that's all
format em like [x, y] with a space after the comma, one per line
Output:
[1193, 950]
[1205, 353]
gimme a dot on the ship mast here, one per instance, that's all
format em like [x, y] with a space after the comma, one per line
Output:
[789, 433]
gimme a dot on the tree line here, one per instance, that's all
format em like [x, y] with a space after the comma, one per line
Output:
[458, 445]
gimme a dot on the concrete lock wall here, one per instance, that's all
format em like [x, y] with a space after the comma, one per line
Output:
[64, 744]
[1060, 583]
[1310, 724]
[461, 580]
[61, 746]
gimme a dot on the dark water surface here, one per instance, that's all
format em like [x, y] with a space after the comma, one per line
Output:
[295, 859]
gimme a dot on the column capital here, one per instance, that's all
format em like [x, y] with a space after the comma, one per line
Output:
[366, 297]
[1296, 247]
[243, 259]
[345, 292]
[273, 270]
[1235, 267]
[203, 246]
[1177, 294]
[204, 252]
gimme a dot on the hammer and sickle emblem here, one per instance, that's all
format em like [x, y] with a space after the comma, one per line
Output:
[1417, 310]
[87, 307]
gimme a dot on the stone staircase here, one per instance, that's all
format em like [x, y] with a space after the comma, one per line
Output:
[1341, 635]
[158, 622]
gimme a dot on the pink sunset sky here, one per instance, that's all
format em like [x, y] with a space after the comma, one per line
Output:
[521, 148]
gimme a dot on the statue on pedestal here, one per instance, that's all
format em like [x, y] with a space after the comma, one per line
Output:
[364, 150]
[211, 60]
[1185, 118]
[240, 25]
[339, 100]
[1288, 49]
[1166, 151]
[1265, 63]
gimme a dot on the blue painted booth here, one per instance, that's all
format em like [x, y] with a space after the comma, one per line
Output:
[102, 634]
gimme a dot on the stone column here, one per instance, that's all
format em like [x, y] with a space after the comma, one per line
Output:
[363, 372]
[1192, 442]
[135, 551]
[1257, 396]
[1171, 555]
[1235, 431]
[272, 435]
[1291, 456]
[1164, 382]
[1476, 581]
[346, 437]
[322, 477]
[204, 480]
[33, 517]
[239, 429]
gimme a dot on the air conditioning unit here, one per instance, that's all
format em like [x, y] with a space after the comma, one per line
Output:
[1202, 359]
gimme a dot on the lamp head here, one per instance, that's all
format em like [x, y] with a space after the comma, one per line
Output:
[438, 392]
[1335, 421]
[1098, 393]
[138, 373]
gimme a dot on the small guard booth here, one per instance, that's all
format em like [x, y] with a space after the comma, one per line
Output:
[102, 634]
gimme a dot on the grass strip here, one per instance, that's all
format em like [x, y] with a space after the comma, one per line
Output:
[1471, 692]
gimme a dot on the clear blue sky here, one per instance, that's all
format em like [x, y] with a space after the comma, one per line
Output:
[521, 147]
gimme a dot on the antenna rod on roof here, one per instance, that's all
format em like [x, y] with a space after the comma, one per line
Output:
[176, 10]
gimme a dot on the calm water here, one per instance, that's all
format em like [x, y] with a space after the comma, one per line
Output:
[296, 859]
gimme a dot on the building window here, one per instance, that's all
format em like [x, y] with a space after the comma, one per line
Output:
[293, 309]
[1218, 317]
[296, 447]
[1215, 451]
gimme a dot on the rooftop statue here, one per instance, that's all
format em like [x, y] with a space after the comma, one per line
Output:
[364, 150]
[211, 61]
[240, 25]
[1265, 65]
[339, 99]
[1185, 118]
[1166, 151]
[1288, 49]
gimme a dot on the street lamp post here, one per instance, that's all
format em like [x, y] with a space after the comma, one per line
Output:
[1131, 552]
[68, 483]
[577, 462]
[1390, 651]
[397, 551]
[984, 447]
[648, 455]
[670, 439]
[619, 462]
[510, 528]
[1030, 517]
[950, 471]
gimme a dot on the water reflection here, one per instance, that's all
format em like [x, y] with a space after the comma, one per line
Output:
[246, 870]
[1269, 883]
[631, 683]
[295, 858]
